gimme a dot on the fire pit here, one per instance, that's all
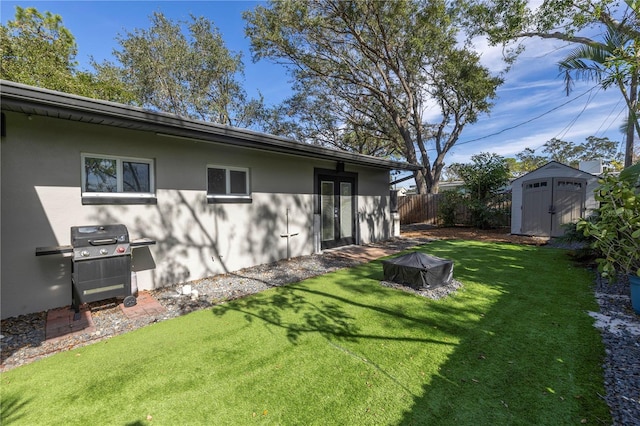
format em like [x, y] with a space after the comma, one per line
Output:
[418, 270]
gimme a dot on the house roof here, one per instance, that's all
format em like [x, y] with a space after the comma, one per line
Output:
[558, 165]
[37, 101]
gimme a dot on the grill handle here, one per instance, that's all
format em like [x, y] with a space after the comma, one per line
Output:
[106, 241]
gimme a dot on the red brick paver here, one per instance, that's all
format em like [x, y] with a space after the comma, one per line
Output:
[362, 253]
[146, 306]
[60, 323]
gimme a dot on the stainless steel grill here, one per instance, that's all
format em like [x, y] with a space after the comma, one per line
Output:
[101, 264]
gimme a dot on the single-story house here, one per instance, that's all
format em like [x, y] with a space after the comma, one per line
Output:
[214, 198]
[547, 198]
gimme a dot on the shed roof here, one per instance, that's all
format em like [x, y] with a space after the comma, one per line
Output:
[38, 101]
[558, 165]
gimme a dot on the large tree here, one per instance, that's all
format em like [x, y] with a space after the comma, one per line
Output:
[611, 55]
[527, 162]
[310, 115]
[369, 72]
[37, 49]
[190, 73]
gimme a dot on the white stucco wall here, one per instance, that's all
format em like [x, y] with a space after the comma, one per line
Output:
[374, 213]
[41, 200]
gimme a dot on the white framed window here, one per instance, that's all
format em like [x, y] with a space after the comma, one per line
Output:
[228, 184]
[107, 178]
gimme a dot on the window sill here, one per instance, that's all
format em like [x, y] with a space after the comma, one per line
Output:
[229, 199]
[118, 199]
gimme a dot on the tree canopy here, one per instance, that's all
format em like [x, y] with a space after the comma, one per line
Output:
[369, 75]
[485, 175]
[190, 73]
[484, 178]
[610, 56]
[569, 153]
[37, 49]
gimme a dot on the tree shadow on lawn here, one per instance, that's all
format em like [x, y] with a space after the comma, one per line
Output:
[301, 310]
[304, 307]
[539, 356]
[539, 368]
[13, 408]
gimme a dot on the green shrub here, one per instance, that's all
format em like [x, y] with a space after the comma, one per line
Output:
[449, 206]
[584, 252]
[616, 229]
[484, 179]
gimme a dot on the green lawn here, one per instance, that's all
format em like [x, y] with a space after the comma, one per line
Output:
[513, 346]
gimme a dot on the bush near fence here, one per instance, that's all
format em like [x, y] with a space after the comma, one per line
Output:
[423, 208]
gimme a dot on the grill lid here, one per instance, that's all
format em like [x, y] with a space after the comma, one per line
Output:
[99, 235]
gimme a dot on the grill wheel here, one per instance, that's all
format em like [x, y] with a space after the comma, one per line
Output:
[129, 301]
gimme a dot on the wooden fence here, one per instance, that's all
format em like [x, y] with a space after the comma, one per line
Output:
[418, 208]
[423, 208]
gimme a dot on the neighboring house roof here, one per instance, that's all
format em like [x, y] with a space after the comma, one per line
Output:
[554, 164]
[37, 101]
[450, 184]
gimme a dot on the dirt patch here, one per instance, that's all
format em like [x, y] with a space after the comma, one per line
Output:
[501, 235]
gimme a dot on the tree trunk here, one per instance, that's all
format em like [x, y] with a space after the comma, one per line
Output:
[632, 122]
[425, 182]
[421, 182]
[435, 188]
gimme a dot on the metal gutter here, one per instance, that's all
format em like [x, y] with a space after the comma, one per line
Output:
[37, 101]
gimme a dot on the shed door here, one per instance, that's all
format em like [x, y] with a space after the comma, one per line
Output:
[568, 203]
[549, 203]
[536, 202]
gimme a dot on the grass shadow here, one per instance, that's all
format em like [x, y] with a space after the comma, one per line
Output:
[544, 352]
[518, 323]
[302, 309]
[13, 408]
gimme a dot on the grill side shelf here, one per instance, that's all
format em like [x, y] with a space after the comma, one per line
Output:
[45, 251]
[141, 242]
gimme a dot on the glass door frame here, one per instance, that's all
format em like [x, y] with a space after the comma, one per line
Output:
[337, 177]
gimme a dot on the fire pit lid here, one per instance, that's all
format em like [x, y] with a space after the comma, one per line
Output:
[418, 270]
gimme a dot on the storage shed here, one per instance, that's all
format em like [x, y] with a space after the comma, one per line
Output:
[547, 198]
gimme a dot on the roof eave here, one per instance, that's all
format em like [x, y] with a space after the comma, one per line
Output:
[38, 101]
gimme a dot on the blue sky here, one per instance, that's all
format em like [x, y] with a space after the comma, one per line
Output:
[531, 107]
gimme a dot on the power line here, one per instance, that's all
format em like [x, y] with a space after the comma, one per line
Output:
[564, 132]
[530, 120]
[549, 52]
[614, 120]
[607, 119]
[621, 144]
[572, 122]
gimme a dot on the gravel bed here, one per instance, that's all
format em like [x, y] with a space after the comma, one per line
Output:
[23, 338]
[434, 293]
[620, 330]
